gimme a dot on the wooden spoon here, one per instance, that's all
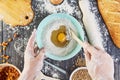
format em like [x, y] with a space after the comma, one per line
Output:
[73, 35]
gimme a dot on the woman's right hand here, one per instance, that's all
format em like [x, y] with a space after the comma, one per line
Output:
[100, 65]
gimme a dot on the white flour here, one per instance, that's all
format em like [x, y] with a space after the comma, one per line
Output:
[50, 8]
[50, 47]
[51, 71]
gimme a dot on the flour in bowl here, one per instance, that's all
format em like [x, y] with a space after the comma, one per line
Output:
[46, 38]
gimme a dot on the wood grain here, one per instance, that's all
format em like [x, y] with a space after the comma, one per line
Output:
[16, 12]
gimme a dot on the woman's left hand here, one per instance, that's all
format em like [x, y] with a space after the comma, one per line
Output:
[33, 62]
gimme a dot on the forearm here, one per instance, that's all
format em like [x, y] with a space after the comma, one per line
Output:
[103, 78]
[27, 75]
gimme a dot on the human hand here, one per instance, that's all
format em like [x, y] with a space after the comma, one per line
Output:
[33, 62]
[100, 65]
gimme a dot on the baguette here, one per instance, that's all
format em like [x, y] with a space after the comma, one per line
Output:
[110, 11]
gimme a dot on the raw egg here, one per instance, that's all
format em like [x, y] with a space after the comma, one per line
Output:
[58, 37]
[61, 37]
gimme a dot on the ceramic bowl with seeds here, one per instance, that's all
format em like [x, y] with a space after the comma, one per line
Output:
[9, 72]
[80, 73]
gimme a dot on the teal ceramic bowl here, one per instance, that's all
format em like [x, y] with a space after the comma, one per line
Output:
[47, 20]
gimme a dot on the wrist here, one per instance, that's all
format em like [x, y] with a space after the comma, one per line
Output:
[27, 75]
[110, 78]
[104, 78]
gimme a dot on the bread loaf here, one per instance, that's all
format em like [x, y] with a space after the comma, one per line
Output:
[110, 11]
[16, 12]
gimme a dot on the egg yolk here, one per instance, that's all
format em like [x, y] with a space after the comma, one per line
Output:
[61, 37]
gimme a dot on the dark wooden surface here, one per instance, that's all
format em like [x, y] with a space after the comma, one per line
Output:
[17, 47]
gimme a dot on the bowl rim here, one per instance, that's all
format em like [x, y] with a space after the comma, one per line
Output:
[74, 21]
[77, 69]
[7, 64]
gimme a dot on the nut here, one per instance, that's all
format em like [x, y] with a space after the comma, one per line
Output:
[4, 48]
[5, 57]
[10, 39]
[5, 44]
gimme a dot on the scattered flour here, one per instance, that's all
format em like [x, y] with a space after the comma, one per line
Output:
[20, 45]
[48, 70]
[50, 8]
[55, 75]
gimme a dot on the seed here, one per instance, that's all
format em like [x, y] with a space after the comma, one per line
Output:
[3, 60]
[4, 48]
[5, 57]
[9, 39]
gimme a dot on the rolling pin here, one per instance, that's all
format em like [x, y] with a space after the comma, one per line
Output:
[91, 25]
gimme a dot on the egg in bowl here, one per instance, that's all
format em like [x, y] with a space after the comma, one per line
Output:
[52, 33]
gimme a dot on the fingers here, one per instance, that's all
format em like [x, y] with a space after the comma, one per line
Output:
[40, 56]
[36, 51]
[30, 44]
[92, 50]
[87, 56]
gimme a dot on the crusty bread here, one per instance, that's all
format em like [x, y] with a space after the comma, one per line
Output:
[16, 12]
[110, 11]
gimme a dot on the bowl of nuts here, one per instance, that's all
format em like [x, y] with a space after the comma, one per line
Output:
[9, 72]
[80, 73]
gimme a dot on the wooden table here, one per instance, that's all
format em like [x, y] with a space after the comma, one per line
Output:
[16, 48]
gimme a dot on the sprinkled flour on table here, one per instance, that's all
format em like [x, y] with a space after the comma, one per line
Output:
[68, 7]
[48, 70]
[42, 8]
[50, 8]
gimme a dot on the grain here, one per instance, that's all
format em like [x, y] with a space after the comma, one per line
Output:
[10, 39]
[81, 75]
[80, 62]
